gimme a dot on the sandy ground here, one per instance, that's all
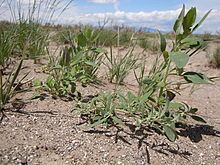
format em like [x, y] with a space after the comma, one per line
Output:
[51, 134]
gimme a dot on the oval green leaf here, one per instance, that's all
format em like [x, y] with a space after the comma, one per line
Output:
[170, 133]
[198, 118]
[179, 58]
[196, 78]
[163, 43]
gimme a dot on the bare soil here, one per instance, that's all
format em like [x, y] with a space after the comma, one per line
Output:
[49, 131]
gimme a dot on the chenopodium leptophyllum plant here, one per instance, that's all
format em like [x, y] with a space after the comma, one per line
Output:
[155, 105]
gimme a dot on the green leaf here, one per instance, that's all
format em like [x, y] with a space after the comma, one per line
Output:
[99, 122]
[165, 55]
[37, 83]
[196, 78]
[175, 105]
[179, 58]
[117, 121]
[91, 63]
[82, 41]
[170, 133]
[36, 95]
[191, 42]
[179, 21]
[163, 43]
[202, 20]
[189, 20]
[193, 110]
[198, 118]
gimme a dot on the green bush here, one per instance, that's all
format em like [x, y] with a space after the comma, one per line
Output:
[78, 62]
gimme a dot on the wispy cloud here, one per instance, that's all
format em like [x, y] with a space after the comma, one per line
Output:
[155, 19]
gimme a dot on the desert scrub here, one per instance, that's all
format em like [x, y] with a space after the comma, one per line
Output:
[149, 44]
[120, 66]
[77, 62]
[215, 59]
[155, 105]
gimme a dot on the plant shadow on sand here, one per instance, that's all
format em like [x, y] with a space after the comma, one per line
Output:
[194, 132]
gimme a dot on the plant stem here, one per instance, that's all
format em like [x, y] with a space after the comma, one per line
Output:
[164, 81]
[1, 90]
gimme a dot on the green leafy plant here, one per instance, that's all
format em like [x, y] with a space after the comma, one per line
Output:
[77, 62]
[85, 57]
[62, 77]
[101, 110]
[120, 67]
[155, 105]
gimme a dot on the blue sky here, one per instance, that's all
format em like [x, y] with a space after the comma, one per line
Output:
[158, 14]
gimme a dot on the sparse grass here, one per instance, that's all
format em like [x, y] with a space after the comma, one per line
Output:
[31, 40]
[6, 46]
[8, 86]
[120, 67]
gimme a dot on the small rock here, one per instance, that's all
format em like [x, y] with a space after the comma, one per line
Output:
[201, 154]
[24, 161]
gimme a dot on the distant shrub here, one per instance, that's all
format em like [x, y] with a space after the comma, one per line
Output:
[149, 44]
[215, 59]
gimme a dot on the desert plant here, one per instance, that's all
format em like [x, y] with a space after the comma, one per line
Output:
[6, 46]
[85, 56]
[30, 37]
[31, 40]
[155, 106]
[215, 59]
[120, 67]
[149, 44]
[8, 85]
[77, 62]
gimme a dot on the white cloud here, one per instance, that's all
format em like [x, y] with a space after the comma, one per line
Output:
[155, 19]
[162, 20]
[104, 1]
